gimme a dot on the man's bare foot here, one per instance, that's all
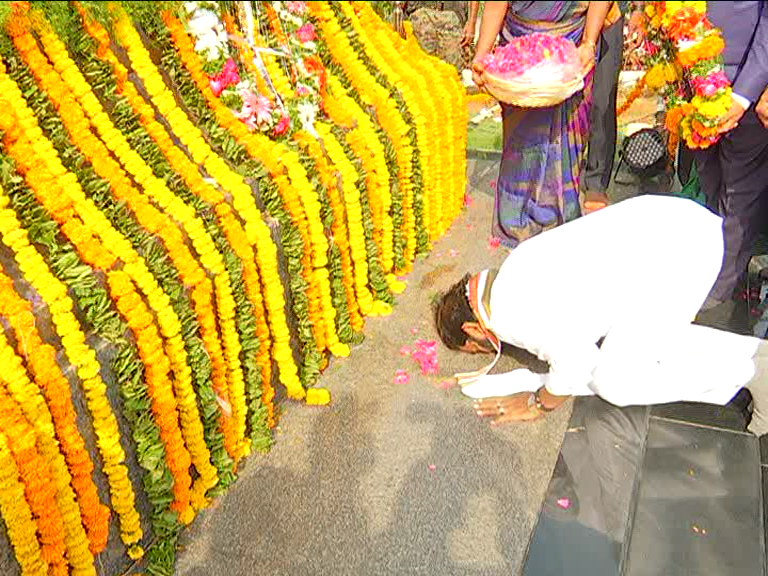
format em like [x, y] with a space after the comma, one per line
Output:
[523, 407]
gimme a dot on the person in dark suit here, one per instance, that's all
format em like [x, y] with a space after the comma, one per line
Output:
[734, 173]
[762, 108]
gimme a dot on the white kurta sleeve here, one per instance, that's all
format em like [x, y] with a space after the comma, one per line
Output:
[571, 367]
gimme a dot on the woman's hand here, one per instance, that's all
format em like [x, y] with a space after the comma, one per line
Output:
[468, 35]
[587, 56]
[477, 73]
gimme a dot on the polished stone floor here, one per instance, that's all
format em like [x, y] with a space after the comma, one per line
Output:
[651, 491]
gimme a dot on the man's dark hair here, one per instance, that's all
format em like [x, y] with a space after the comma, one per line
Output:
[451, 312]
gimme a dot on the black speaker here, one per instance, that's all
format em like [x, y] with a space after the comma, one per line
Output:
[645, 153]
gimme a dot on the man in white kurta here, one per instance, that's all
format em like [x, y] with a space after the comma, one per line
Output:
[633, 275]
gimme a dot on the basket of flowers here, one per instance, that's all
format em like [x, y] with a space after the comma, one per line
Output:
[533, 71]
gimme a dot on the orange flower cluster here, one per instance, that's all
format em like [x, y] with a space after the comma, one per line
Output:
[636, 92]
[158, 377]
[20, 525]
[710, 47]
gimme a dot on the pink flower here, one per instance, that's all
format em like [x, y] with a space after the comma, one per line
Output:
[256, 110]
[494, 243]
[405, 351]
[283, 125]
[217, 85]
[302, 91]
[229, 76]
[564, 502]
[402, 377]
[708, 86]
[262, 109]
[230, 73]
[296, 7]
[250, 123]
[306, 33]
[426, 355]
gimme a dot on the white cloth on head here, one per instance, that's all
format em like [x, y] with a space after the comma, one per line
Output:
[635, 274]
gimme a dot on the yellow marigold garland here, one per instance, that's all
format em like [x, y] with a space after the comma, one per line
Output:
[84, 359]
[416, 95]
[388, 115]
[354, 215]
[278, 160]
[188, 171]
[226, 360]
[17, 514]
[258, 233]
[438, 83]
[59, 201]
[330, 177]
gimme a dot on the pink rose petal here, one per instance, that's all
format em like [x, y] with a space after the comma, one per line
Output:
[564, 503]
[402, 377]
[494, 243]
[432, 467]
[453, 253]
[447, 384]
[405, 351]
[468, 200]
[414, 330]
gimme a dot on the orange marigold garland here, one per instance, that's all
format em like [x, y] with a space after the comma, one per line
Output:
[41, 362]
[17, 514]
[39, 486]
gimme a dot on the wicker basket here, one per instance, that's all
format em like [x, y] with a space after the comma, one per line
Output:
[525, 95]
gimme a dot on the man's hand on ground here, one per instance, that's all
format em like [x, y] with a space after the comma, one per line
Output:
[518, 408]
[762, 108]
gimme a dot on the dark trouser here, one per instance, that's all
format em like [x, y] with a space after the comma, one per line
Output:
[734, 178]
[602, 136]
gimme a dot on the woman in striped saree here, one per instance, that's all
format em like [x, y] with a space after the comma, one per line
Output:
[544, 148]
